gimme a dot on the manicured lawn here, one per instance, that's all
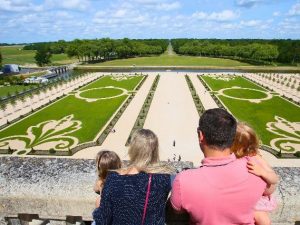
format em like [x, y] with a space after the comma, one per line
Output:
[101, 93]
[238, 81]
[172, 60]
[245, 93]
[92, 115]
[259, 114]
[4, 90]
[16, 55]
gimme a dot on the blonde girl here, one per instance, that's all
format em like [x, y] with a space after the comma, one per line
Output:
[138, 193]
[246, 144]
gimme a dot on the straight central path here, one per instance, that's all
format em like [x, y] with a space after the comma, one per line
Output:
[174, 118]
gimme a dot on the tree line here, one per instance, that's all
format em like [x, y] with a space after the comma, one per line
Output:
[282, 51]
[102, 49]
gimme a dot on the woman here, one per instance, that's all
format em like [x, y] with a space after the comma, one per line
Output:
[138, 193]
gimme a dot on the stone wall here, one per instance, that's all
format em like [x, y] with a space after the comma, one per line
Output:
[55, 188]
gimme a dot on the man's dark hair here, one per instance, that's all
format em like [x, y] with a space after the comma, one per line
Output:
[218, 127]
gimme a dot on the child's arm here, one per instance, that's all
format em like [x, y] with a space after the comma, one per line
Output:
[262, 169]
[98, 199]
[97, 186]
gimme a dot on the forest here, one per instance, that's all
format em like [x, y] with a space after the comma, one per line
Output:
[254, 51]
[104, 49]
[251, 50]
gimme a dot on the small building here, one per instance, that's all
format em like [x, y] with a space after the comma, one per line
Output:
[11, 68]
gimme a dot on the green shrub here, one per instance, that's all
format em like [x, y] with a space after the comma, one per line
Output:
[52, 151]
[297, 154]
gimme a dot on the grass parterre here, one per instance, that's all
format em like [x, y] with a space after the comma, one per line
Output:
[275, 119]
[78, 118]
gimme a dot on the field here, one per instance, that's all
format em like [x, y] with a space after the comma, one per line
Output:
[275, 119]
[16, 55]
[75, 119]
[172, 60]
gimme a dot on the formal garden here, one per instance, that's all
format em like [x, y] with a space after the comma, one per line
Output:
[275, 119]
[77, 118]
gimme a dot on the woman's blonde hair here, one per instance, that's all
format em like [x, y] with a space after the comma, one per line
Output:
[105, 161]
[144, 153]
[246, 142]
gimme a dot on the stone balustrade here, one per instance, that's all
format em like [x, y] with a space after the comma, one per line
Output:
[54, 188]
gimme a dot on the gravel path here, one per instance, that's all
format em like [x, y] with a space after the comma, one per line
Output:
[203, 94]
[173, 117]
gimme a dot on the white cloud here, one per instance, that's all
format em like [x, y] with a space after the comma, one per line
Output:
[252, 3]
[247, 3]
[148, 1]
[68, 4]
[121, 17]
[163, 5]
[295, 10]
[200, 15]
[276, 13]
[256, 24]
[75, 4]
[230, 26]
[120, 13]
[225, 15]
[168, 6]
[18, 6]
[251, 23]
[289, 25]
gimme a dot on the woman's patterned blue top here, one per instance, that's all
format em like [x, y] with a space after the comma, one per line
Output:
[123, 199]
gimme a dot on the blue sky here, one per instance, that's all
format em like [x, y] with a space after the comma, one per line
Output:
[51, 20]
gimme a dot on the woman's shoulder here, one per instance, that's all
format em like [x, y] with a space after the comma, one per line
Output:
[116, 175]
[161, 175]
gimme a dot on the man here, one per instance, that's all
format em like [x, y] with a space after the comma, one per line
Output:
[221, 191]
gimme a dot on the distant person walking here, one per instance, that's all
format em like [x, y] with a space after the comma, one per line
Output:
[221, 191]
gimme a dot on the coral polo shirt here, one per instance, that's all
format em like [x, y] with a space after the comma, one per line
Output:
[221, 192]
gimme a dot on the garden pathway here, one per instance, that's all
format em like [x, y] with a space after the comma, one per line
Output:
[173, 117]
[206, 99]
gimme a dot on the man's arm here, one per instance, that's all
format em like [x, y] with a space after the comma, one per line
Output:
[176, 201]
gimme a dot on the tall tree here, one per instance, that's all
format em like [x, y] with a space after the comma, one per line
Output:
[43, 55]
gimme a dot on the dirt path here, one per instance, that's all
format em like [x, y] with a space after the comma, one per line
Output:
[170, 50]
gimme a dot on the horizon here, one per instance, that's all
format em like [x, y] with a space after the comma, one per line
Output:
[45, 20]
[263, 39]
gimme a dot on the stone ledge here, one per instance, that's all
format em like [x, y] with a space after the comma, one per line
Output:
[57, 187]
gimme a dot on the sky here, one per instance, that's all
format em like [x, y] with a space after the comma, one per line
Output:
[26, 21]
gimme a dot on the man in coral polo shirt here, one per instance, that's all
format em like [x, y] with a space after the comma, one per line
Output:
[221, 191]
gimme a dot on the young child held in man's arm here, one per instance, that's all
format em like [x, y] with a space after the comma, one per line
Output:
[246, 144]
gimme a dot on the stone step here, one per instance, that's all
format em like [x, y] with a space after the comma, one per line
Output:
[57, 222]
[14, 221]
[36, 222]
